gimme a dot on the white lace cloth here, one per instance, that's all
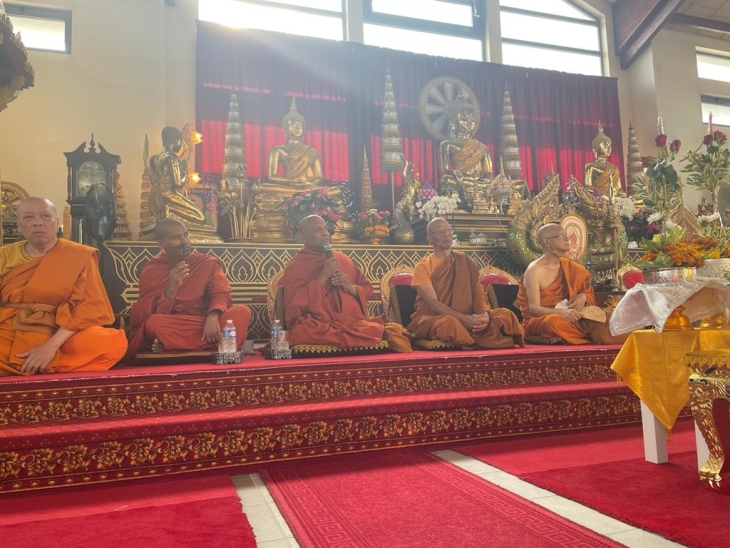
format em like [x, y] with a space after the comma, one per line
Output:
[652, 304]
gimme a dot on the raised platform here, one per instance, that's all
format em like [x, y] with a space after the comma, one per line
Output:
[133, 422]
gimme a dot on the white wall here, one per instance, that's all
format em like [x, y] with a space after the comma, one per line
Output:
[131, 72]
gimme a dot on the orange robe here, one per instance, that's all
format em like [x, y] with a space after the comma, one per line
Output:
[456, 282]
[317, 314]
[178, 323]
[572, 279]
[61, 289]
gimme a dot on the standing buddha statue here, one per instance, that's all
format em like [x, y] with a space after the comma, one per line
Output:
[601, 175]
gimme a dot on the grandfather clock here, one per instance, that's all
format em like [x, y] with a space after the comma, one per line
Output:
[85, 169]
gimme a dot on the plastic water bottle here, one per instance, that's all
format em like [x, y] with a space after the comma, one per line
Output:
[228, 339]
[276, 340]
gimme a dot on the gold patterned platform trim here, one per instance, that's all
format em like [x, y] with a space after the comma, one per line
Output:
[166, 358]
[135, 398]
[425, 344]
[324, 350]
[150, 456]
[534, 339]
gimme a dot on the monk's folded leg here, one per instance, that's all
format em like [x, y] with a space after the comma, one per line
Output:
[176, 332]
[554, 325]
[451, 330]
[91, 349]
[504, 330]
[600, 333]
[241, 316]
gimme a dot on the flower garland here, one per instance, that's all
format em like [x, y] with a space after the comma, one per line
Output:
[312, 202]
[669, 250]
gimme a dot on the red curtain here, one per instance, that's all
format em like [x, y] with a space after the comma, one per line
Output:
[339, 89]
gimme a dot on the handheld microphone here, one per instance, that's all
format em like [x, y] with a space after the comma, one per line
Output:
[327, 250]
[182, 251]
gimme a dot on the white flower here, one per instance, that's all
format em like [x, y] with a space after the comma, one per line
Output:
[709, 218]
[438, 206]
[669, 224]
[654, 217]
[625, 207]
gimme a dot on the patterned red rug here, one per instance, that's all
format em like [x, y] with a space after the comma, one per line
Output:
[172, 514]
[605, 470]
[409, 499]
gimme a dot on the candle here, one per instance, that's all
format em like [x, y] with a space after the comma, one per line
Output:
[660, 126]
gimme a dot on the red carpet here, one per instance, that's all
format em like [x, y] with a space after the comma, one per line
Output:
[606, 471]
[172, 514]
[408, 499]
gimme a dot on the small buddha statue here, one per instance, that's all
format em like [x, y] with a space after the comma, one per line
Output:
[167, 178]
[293, 167]
[600, 174]
[466, 164]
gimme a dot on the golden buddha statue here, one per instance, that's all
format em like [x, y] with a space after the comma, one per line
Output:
[167, 178]
[601, 175]
[466, 164]
[301, 171]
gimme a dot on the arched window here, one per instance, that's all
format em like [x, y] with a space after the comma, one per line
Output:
[550, 34]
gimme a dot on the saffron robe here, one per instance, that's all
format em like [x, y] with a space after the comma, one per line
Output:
[63, 288]
[455, 280]
[178, 323]
[572, 279]
[327, 314]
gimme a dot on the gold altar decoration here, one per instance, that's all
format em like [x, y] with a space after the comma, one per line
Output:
[635, 167]
[601, 175]
[708, 398]
[146, 220]
[16, 72]
[509, 148]
[234, 197]
[301, 173]
[366, 187]
[121, 230]
[169, 179]
[405, 211]
[604, 226]
[10, 197]
[391, 144]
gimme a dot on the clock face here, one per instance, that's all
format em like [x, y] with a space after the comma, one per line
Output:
[89, 173]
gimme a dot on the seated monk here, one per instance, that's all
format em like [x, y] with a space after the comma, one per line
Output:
[552, 279]
[450, 302]
[602, 175]
[184, 298]
[326, 296]
[53, 305]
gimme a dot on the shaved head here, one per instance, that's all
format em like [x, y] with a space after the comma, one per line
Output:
[163, 226]
[547, 231]
[313, 233]
[37, 200]
[305, 225]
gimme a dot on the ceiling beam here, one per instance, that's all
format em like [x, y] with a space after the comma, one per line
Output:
[636, 22]
[698, 22]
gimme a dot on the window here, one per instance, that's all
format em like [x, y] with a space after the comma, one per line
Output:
[713, 67]
[41, 28]
[434, 27]
[317, 18]
[550, 34]
[720, 109]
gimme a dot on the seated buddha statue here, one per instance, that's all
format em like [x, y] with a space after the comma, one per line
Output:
[168, 176]
[601, 175]
[293, 167]
[466, 165]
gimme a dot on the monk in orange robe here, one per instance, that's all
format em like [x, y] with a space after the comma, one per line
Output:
[325, 297]
[450, 302]
[53, 305]
[184, 298]
[552, 279]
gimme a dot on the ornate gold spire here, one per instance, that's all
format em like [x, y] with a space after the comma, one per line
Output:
[391, 144]
[121, 230]
[634, 164]
[366, 188]
[145, 217]
[509, 147]
[234, 154]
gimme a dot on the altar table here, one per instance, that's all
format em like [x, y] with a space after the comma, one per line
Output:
[652, 366]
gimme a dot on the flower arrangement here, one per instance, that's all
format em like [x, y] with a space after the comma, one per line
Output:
[709, 169]
[668, 250]
[438, 206]
[714, 242]
[372, 224]
[312, 202]
[660, 188]
[643, 225]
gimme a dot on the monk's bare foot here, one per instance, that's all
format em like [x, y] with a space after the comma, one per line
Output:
[157, 346]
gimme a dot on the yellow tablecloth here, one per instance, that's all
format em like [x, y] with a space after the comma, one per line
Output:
[652, 365]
